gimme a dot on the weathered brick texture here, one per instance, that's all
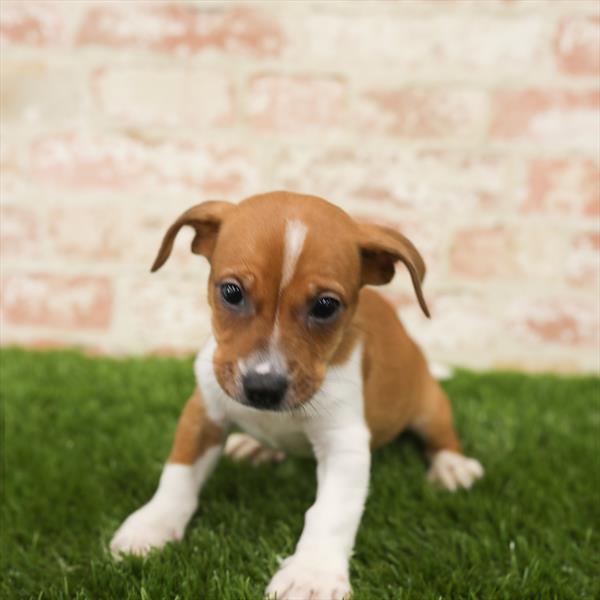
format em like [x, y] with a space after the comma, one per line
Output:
[180, 28]
[578, 45]
[48, 300]
[473, 126]
[294, 103]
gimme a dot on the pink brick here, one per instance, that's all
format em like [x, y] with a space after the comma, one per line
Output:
[462, 324]
[57, 301]
[508, 6]
[30, 23]
[442, 42]
[175, 306]
[140, 96]
[577, 45]
[19, 233]
[125, 163]
[295, 103]
[87, 233]
[504, 252]
[422, 113]
[179, 28]
[566, 320]
[483, 253]
[11, 167]
[564, 117]
[113, 233]
[17, 337]
[583, 260]
[363, 180]
[37, 92]
[562, 187]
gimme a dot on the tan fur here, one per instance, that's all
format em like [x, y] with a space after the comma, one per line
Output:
[195, 433]
[246, 242]
[399, 390]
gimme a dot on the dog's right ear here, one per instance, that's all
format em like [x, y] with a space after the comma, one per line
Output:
[206, 219]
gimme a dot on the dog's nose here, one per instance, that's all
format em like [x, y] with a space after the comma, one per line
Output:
[264, 391]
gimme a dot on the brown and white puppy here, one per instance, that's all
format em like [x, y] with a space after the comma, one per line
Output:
[305, 359]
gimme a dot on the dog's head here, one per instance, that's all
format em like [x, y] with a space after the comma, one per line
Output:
[286, 271]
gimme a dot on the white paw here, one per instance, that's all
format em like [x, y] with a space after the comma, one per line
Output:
[453, 470]
[309, 579]
[151, 526]
[241, 446]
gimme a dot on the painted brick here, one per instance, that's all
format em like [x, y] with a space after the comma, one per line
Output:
[565, 320]
[149, 96]
[462, 324]
[22, 337]
[14, 338]
[167, 312]
[30, 23]
[483, 253]
[295, 102]
[111, 232]
[181, 28]
[19, 233]
[545, 116]
[36, 93]
[422, 113]
[440, 42]
[126, 163]
[577, 45]
[158, 105]
[505, 7]
[562, 187]
[46, 300]
[11, 167]
[504, 252]
[383, 182]
[583, 260]
[86, 233]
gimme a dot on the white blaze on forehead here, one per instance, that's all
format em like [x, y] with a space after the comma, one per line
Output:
[295, 234]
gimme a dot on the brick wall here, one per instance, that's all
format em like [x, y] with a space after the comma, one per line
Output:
[472, 125]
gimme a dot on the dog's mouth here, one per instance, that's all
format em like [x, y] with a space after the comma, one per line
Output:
[265, 405]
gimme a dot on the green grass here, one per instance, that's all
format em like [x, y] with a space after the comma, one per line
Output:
[85, 439]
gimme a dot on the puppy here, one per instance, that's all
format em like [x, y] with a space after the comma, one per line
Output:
[305, 359]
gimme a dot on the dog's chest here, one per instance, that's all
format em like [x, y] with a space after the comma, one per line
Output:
[337, 406]
[277, 430]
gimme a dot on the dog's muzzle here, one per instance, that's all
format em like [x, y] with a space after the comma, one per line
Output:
[265, 391]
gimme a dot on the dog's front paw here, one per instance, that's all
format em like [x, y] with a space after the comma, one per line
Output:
[309, 579]
[149, 527]
[453, 470]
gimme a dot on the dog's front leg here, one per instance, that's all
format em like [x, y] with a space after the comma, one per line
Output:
[319, 566]
[196, 450]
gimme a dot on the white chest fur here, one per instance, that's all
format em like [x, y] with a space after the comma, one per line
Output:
[337, 405]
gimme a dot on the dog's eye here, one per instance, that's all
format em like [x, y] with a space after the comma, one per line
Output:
[324, 308]
[232, 293]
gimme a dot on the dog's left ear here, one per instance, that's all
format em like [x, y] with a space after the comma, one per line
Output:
[380, 248]
[206, 219]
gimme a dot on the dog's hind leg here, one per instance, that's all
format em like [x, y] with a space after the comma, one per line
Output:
[433, 422]
[241, 446]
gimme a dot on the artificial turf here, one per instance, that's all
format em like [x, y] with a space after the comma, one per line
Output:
[84, 442]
